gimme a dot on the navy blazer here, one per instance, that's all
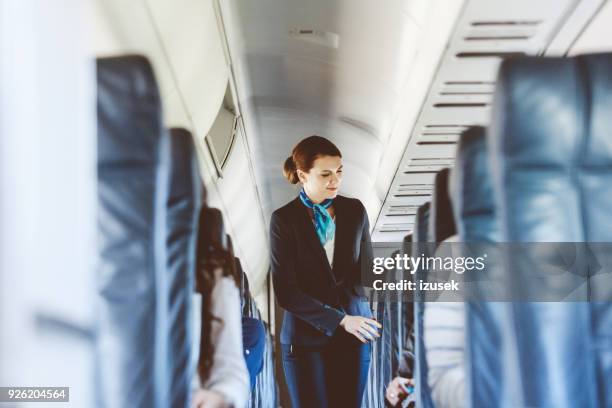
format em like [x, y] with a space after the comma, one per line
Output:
[315, 296]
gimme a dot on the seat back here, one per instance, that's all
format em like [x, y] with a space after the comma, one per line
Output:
[422, 390]
[131, 230]
[442, 222]
[175, 306]
[472, 190]
[474, 210]
[552, 151]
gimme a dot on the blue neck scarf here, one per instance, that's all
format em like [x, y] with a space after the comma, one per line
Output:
[324, 224]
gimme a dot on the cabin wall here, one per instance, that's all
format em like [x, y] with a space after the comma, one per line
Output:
[47, 209]
[185, 43]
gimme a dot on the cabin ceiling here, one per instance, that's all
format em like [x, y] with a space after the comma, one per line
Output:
[392, 83]
[347, 81]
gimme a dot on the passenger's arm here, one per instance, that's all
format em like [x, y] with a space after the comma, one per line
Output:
[444, 337]
[229, 376]
[290, 297]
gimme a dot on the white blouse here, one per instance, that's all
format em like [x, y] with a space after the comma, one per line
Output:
[444, 336]
[228, 376]
[329, 249]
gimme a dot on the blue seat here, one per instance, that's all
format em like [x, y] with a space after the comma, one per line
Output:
[258, 340]
[254, 344]
[253, 330]
[551, 147]
[477, 226]
[434, 224]
[174, 322]
[422, 390]
[131, 230]
[442, 222]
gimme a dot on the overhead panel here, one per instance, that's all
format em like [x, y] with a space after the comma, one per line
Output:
[462, 91]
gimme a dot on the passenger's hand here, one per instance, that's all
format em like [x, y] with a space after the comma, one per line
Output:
[396, 390]
[361, 327]
[208, 399]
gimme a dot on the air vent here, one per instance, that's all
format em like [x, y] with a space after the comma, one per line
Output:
[440, 134]
[460, 105]
[436, 142]
[468, 93]
[439, 160]
[505, 23]
[413, 190]
[497, 37]
[325, 38]
[397, 227]
[501, 33]
[467, 88]
[401, 210]
[462, 91]
[427, 166]
[469, 83]
[489, 54]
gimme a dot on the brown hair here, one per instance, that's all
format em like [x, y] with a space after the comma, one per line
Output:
[210, 255]
[305, 153]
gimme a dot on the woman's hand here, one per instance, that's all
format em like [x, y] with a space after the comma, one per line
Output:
[208, 399]
[361, 327]
[397, 390]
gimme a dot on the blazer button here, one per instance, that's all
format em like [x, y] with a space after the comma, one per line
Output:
[247, 352]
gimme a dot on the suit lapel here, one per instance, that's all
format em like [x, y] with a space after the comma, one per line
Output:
[340, 239]
[310, 235]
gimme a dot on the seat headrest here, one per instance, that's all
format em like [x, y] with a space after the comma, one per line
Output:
[550, 144]
[229, 244]
[472, 191]
[183, 167]
[129, 111]
[210, 229]
[421, 223]
[441, 220]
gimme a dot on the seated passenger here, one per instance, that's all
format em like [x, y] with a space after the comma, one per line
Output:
[223, 379]
[444, 337]
[400, 390]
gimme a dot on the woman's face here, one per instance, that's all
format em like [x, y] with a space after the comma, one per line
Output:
[323, 180]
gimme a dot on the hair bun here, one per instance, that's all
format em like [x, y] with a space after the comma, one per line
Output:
[290, 170]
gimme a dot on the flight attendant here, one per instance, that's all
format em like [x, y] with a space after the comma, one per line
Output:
[318, 242]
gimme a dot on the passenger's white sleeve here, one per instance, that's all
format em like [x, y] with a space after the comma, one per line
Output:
[229, 375]
[444, 336]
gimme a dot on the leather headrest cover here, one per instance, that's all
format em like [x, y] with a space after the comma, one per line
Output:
[183, 166]
[471, 189]
[421, 223]
[551, 145]
[441, 220]
[129, 111]
[229, 244]
[210, 228]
